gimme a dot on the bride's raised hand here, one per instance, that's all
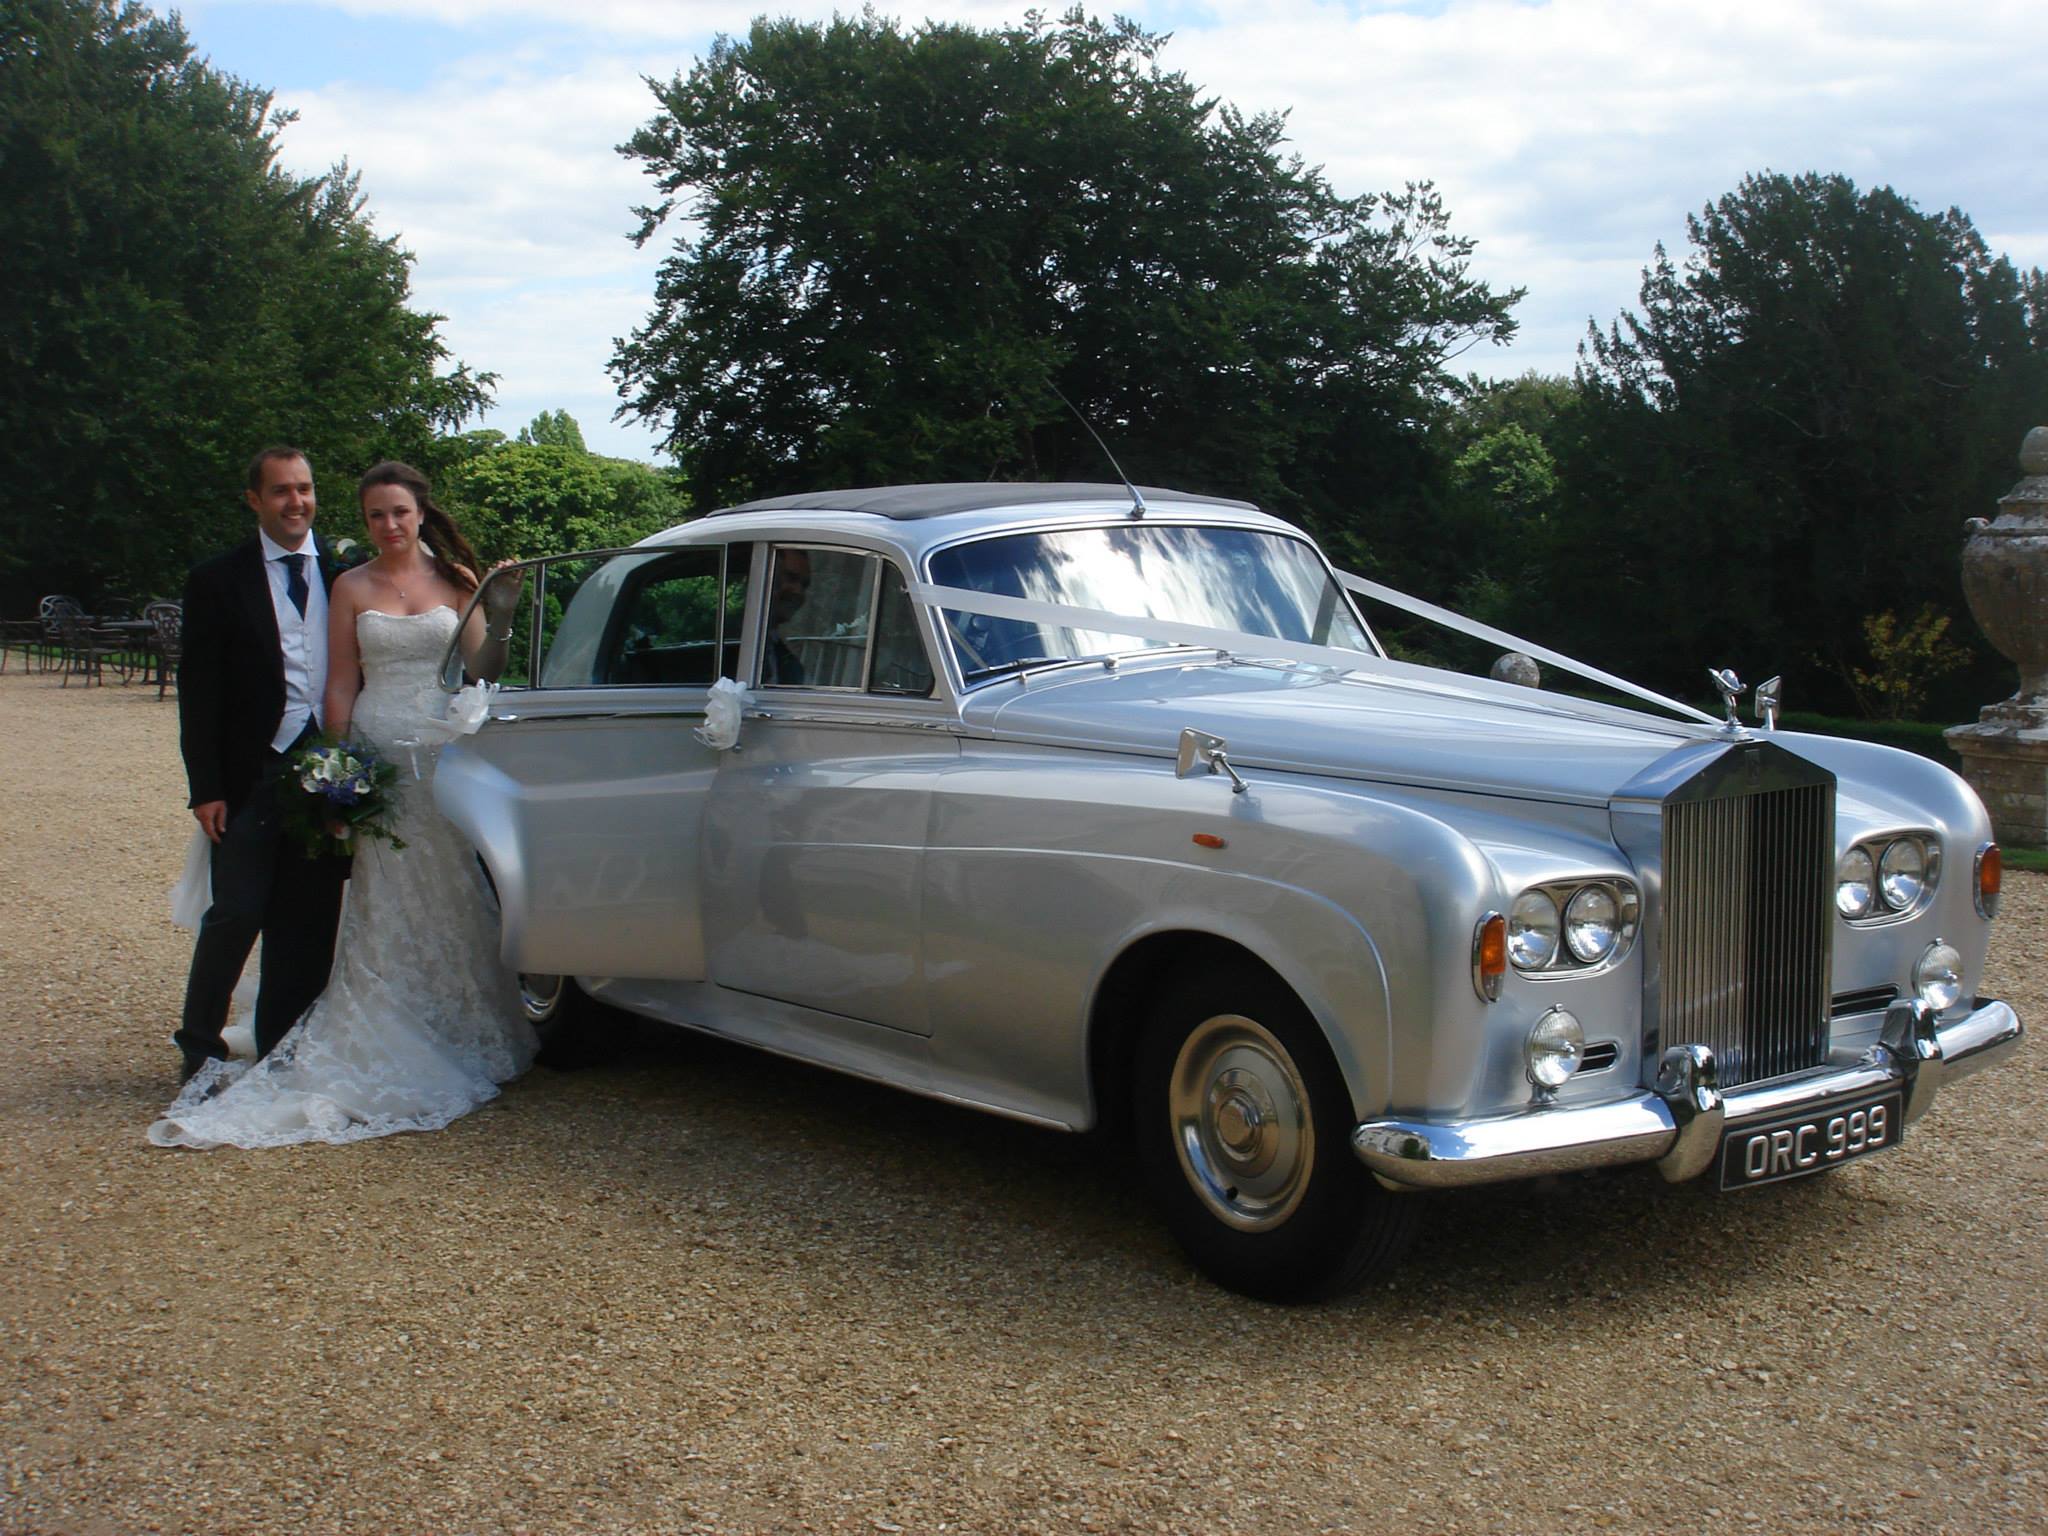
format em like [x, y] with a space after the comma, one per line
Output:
[501, 598]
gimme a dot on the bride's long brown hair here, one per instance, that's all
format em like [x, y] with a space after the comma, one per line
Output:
[449, 550]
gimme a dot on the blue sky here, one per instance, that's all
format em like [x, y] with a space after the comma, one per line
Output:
[1567, 137]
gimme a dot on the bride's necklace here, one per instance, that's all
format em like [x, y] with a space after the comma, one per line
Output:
[392, 577]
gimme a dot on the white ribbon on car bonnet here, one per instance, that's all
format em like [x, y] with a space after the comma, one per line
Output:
[1335, 659]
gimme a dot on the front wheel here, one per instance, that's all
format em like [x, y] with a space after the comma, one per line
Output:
[1244, 1130]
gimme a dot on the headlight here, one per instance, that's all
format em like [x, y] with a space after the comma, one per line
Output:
[1854, 894]
[1902, 873]
[1592, 924]
[1886, 878]
[1556, 1046]
[1532, 931]
[1938, 976]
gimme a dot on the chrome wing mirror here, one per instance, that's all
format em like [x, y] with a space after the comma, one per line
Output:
[1767, 697]
[1202, 754]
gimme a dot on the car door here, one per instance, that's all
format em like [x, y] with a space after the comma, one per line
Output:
[584, 792]
[815, 829]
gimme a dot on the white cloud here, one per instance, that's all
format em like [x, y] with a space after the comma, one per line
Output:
[1567, 137]
[550, 349]
[1570, 137]
[500, 177]
[496, 168]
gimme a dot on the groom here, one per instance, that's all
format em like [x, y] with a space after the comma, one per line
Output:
[249, 693]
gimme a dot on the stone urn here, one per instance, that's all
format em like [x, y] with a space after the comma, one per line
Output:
[2005, 578]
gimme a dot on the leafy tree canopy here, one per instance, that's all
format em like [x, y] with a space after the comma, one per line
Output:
[519, 500]
[176, 301]
[1786, 439]
[555, 429]
[902, 243]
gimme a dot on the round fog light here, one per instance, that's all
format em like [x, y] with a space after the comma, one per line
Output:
[1938, 977]
[1556, 1046]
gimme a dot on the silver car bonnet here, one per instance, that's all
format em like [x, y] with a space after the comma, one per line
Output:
[1302, 720]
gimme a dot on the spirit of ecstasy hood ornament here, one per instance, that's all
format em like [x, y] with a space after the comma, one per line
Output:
[1730, 687]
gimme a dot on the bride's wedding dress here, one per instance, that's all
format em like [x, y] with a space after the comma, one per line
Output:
[419, 1023]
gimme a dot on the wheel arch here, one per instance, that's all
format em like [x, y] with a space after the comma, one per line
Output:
[475, 799]
[1350, 1012]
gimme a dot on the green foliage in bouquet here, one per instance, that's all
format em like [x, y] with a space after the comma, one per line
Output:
[335, 792]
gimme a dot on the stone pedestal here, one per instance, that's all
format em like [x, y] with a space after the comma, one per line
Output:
[2005, 578]
[2007, 764]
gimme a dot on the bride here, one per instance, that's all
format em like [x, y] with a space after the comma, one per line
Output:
[419, 1023]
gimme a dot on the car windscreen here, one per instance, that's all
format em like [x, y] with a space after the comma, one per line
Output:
[1243, 579]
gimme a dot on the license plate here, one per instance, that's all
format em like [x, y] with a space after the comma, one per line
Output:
[1798, 1145]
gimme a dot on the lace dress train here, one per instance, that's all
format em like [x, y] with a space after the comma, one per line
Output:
[419, 1023]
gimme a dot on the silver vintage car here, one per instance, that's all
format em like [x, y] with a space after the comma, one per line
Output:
[1099, 806]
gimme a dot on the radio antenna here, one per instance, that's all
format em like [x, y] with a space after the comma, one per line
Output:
[1137, 500]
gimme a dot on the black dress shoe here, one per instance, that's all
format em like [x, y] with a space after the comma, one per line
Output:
[191, 1066]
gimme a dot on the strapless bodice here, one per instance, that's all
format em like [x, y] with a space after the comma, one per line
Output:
[401, 654]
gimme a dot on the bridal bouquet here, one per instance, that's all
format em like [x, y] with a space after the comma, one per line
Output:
[344, 791]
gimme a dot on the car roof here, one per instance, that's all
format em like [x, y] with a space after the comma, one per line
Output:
[905, 503]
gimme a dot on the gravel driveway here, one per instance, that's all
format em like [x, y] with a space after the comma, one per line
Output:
[700, 1289]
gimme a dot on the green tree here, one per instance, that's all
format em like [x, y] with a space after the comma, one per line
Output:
[520, 500]
[902, 243]
[556, 429]
[175, 301]
[1510, 470]
[1786, 439]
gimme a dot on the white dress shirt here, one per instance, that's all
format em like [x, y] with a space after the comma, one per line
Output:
[303, 640]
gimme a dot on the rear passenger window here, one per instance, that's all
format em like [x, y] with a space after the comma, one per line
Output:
[837, 618]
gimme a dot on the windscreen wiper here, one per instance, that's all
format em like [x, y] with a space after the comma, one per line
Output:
[1015, 664]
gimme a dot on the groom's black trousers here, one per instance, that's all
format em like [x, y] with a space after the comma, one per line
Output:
[262, 886]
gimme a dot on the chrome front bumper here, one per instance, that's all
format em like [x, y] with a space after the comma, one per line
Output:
[1679, 1123]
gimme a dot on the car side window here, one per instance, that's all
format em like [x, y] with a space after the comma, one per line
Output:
[664, 629]
[900, 665]
[837, 618]
[623, 618]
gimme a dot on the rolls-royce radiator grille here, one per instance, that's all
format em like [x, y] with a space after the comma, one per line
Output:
[1747, 888]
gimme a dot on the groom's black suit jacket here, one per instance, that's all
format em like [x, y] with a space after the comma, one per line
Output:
[231, 676]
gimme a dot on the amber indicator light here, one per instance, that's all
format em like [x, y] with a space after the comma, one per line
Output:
[1209, 840]
[1493, 947]
[1990, 872]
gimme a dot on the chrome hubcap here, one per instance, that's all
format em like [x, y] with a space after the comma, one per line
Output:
[539, 996]
[1241, 1124]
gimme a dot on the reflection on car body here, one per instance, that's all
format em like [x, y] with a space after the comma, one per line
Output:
[1088, 812]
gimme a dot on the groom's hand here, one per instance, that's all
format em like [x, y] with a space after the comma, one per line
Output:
[212, 817]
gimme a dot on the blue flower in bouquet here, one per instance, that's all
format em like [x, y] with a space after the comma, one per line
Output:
[345, 791]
